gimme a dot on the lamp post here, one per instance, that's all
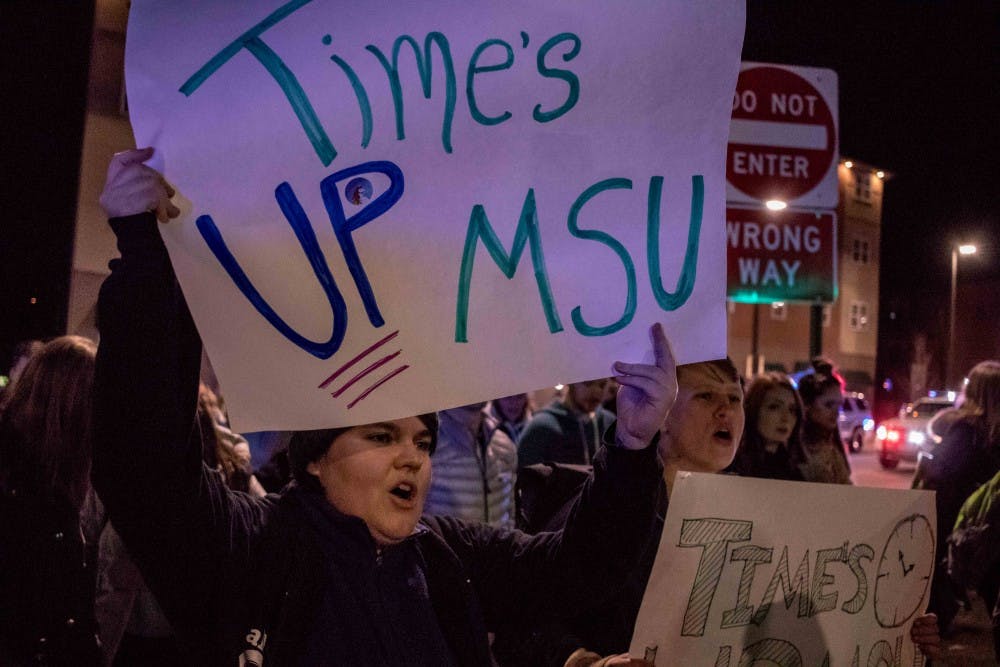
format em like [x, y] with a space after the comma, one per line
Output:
[961, 249]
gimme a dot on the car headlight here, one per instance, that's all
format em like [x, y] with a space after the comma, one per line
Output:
[915, 437]
[868, 424]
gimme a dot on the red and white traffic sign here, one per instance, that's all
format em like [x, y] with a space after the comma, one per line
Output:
[783, 139]
[788, 255]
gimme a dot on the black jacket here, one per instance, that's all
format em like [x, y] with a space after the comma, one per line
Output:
[964, 461]
[47, 570]
[557, 434]
[237, 574]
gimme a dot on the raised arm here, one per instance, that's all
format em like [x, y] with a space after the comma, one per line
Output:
[563, 573]
[178, 522]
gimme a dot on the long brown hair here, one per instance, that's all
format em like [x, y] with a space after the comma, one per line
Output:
[753, 444]
[981, 403]
[49, 410]
[218, 452]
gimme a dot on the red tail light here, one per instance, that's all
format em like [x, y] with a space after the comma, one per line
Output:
[890, 437]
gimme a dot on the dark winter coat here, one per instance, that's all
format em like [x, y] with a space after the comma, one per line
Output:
[243, 576]
[560, 435]
[974, 549]
[964, 461]
[604, 630]
[47, 570]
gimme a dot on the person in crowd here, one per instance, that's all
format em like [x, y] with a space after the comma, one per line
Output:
[569, 429]
[49, 514]
[974, 550]
[23, 352]
[340, 568]
[20, 357]
[511, 413]
[822, 456]
[700, 434]
[133, 627]
[475, 464]
[969, 452]
[224, 451]
[610, 394]
[276, 472]
[774, 417]
[966, 458]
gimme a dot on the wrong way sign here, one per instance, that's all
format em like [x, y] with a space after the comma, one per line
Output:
[783, 136]
[785, 255]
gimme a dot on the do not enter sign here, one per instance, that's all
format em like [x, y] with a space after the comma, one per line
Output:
[783, 136]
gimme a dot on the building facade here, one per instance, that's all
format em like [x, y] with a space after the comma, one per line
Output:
[849, 326]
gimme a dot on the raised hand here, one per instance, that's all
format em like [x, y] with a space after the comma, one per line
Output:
[646, 394]
[132, 187]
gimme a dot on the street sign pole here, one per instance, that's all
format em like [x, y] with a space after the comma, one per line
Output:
[815, 330]
[782, 194]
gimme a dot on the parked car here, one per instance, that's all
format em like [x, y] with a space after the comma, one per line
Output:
[855, 422]
[905, 437]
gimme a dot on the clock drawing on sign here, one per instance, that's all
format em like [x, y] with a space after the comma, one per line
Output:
[904, 571]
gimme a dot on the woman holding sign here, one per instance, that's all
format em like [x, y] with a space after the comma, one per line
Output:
[341, 568]
[700, 434]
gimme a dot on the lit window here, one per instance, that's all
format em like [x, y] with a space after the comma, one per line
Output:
[859, 251]
[862, 185]
[857, 318]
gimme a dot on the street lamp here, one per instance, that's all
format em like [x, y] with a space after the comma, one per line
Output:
[956, 250]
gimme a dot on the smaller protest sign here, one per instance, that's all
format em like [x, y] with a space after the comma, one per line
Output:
[753, 571]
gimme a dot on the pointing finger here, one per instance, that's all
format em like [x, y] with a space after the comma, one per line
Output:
[662, 350]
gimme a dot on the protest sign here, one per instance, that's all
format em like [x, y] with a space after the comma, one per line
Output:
[392, 208]
[764, 572]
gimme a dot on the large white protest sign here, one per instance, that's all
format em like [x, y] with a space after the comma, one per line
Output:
[785, 574]
[395, 207]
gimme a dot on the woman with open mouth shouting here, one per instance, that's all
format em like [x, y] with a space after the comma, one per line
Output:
[340, 568]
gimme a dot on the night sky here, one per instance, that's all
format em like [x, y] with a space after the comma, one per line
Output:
[918, 98]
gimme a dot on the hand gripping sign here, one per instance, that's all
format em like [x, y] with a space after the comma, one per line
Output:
[389, 209]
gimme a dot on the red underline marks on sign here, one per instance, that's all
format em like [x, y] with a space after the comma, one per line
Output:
[368, 370]
[377, 385]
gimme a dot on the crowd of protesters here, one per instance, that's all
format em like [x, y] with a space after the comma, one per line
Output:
[135, 532]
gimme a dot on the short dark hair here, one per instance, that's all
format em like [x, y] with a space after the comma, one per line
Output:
[308, 446]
